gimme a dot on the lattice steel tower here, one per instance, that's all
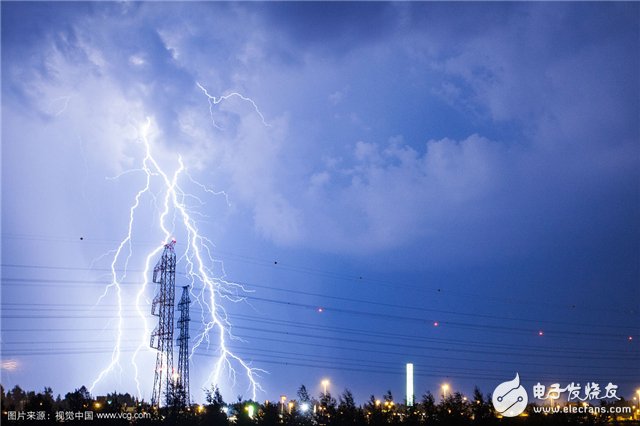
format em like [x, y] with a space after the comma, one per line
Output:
[163, 307]
[183, 344]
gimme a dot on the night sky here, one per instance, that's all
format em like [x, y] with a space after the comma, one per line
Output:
[455, 185]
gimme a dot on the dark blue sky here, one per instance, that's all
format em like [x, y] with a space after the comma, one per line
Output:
[471, 164]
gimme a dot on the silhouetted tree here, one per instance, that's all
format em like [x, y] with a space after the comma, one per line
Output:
[389, 409]
[117, 401]
[348, 413]
[40, 401]
[326, 408]
[302, 411]
[429, 407]
[373, 412]
[481, 409]
[214, 414]
[303, 395]
[412, 415]
[16, 399]
[176, 406]
[78, 400]
[454, 410]
[269, 414]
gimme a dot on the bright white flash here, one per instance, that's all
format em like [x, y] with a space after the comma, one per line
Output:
[209, 290]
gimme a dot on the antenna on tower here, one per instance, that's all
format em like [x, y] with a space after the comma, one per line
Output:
[183, 344]
[163, 307]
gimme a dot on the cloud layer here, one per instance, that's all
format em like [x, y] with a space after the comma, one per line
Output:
[383, 131]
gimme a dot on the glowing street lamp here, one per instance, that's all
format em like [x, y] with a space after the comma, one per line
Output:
[250, 409]
[445, 388]
[325, 384]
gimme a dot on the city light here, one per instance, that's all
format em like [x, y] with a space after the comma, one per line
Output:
[250, 409]
[304, 407]
[445, 388]
[410, 385]
[325, 385]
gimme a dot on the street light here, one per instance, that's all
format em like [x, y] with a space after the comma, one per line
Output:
[325, 384]
[250, 409]
[445, 388]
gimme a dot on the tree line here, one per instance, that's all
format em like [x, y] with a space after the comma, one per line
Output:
[324, 410]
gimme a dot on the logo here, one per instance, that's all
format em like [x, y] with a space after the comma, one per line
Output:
[510, 398]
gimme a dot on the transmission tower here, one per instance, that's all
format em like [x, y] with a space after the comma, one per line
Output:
[183, 343]
[162, 337]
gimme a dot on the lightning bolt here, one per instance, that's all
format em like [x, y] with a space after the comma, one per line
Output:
[209, 291]
[213, 101]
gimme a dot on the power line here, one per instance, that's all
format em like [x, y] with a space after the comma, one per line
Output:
[361, 278]
[350, 300]
[403, 337]
[502, 353]
[454, 324]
